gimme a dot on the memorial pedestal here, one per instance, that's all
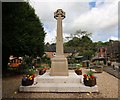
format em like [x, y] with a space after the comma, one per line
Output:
[59, 66]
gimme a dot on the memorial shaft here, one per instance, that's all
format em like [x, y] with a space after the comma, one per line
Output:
[59, 44]
[59, 64]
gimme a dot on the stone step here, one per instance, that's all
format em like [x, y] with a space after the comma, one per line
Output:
[59, 79]
[58, 87]
[72, 78]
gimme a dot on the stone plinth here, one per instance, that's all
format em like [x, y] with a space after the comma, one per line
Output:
[59, 66]
[47, 83]
[72, 78]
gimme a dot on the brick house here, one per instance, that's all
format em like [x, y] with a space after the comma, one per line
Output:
[111, 51]
[50, 51]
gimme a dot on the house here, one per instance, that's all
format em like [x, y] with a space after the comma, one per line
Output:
[110, 52]
[50, 51]
[113, 52]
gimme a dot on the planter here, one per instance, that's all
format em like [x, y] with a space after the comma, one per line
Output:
[90, 82]
[78, 72]
[41, 71]
[27, 82]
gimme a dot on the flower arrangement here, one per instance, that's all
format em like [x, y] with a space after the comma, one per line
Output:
[78, 71]
[42, 71]
[89, 79]
[28, 79]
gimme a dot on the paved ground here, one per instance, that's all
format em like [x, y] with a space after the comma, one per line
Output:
[113, 72]
[108, 87]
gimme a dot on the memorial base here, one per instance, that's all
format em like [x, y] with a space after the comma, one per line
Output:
[47, 83]
[59, 66]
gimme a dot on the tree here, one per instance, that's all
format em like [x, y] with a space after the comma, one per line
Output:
[80, 33]
[83, 45]
[23, 33]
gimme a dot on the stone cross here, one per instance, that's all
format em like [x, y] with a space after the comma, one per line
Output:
[59, 15]
[59, 64]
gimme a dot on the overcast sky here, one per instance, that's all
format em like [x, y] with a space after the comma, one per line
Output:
[97, 16]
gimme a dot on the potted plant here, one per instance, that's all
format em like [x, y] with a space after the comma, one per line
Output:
[78, 71]
[28, 79]
[42, 70]
[89, 79]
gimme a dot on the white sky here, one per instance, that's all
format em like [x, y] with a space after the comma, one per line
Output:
[97, 16]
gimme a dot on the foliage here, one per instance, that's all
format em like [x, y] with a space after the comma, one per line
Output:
[89, 75]
[46, 60]
[31, 71]
[79, 66]
[84, 46]
[80, 33]
[27, 60]
[23, 33]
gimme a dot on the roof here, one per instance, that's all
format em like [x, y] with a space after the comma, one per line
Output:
[52, 48]
[98, 58]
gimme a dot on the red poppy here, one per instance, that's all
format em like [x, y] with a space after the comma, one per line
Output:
[85, 76]
[92, 77]
[33, 75]
[44, 69]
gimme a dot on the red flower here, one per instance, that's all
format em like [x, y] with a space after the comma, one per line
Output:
[85, 76]
[92, 77]
[44, 69]
[33, 75]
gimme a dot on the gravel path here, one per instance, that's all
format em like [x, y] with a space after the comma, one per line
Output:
[107, 84]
